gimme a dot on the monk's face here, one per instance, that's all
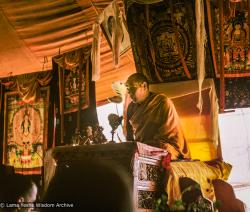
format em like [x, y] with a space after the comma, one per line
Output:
[138, 92]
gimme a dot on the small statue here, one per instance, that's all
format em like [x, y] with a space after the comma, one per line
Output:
[93, 135]
[88, 136]
[76, 138]
[99, 137]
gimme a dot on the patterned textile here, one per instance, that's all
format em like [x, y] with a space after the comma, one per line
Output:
[236, 37]
[26, 129]
[237, 92]
[28, 85]
[71, 89]
[161, 36]
[69, 66]
[201, 172]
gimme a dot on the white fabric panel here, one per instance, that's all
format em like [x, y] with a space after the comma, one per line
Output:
[235, 142]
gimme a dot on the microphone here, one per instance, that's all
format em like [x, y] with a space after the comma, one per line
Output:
[114, 120]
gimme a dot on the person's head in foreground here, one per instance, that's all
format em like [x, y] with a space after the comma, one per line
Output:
[91, 186]
[21, 191]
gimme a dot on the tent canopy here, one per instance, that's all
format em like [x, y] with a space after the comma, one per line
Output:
[32, 32]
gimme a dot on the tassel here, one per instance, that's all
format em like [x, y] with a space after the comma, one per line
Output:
[201, 40]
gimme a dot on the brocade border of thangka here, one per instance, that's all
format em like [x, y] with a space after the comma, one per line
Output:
[25, 132]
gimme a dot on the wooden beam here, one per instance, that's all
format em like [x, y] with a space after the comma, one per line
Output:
[222, 71]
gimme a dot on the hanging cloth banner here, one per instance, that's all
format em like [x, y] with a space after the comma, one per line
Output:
[28, 85]
[113, 26]
[72, 66]
[235, 43]
[95, 52]
[25, 132]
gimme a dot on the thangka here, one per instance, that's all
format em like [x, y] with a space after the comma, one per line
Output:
[25, 132]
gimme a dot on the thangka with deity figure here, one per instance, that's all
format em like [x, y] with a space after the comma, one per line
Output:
[72, 83]
[235, 36]
[25, 132]
[163, 40]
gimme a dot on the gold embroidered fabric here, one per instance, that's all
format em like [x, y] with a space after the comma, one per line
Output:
[28, 85]
[201, 172]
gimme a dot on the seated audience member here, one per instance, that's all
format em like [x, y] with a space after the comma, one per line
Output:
[19, 192]
[152, 119]
[90, 186]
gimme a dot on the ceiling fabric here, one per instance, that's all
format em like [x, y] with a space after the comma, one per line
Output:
[15, 56]
[49, 27]
[32, 32]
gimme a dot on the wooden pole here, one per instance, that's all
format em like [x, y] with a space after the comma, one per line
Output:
[222, 71]
[78, 125]
[211, 36]
[54, 126]
[176, 36]
[61, 90]
[150, 42]
[248, 8]
[1, 94]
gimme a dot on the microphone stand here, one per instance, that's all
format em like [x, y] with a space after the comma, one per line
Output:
[114, 122]
[113, 133]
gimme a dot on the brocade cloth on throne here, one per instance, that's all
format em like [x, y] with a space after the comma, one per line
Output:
[201, 172]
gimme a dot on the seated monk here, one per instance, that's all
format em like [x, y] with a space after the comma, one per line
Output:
[152, 119]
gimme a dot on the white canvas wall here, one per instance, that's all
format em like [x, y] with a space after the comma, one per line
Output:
[235, 142]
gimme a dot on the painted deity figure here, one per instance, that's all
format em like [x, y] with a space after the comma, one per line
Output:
[26, 124]
[38, 155]
[12, 156]
[87, 136]
[238, 34]
[238, 46]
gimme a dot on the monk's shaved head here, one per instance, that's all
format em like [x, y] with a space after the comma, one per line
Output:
[137, 87]
[136, 78]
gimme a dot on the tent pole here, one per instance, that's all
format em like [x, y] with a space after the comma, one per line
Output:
[222, 71]
[78, 125]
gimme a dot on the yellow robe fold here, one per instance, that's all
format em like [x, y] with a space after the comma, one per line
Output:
[202, 172]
